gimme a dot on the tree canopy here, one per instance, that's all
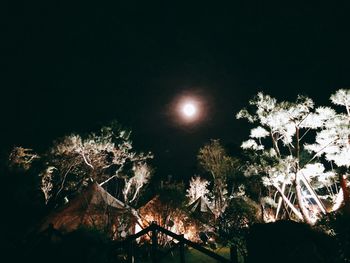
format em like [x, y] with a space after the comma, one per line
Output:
[213, 158]
[288, 154]
[68, 165]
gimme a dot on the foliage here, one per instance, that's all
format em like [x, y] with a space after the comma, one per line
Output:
[173, 194]
[333, 139]
[198, 188]
[333, 144]
[142, 173]
[337, 225]
[74, 160]
[213, 159]
[279, 151]
[234, 223]
[289, 241]
[22, 158]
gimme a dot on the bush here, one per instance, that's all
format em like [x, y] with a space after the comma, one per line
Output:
[337, 224]
[234, 223]
[289, 241]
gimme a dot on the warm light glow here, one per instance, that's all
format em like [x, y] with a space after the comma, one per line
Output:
[189, 109]
[190, 231]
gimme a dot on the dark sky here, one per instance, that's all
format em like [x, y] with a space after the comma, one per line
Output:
[74, 67]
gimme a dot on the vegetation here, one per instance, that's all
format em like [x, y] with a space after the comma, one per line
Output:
[213, 158]
[74, 160]
[280, 145]
[294, 168]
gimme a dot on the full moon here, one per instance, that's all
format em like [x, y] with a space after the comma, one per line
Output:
[189, 110]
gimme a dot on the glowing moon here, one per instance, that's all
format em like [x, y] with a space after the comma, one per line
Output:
[189, 109]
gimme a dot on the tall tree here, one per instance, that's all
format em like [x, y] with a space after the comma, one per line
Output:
[213, 158]
[333, 142]
[279, 137]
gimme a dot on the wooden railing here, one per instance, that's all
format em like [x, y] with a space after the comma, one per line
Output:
[154, 229]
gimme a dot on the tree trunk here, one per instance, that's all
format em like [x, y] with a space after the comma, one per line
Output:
[300, 201]
[286, 200]
[314, 195]
[280, 200]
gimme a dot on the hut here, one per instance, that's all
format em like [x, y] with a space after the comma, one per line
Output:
[94, 208]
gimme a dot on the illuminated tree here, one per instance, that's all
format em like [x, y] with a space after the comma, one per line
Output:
[278, 141]
[333, 142]
[198, 188]
[213, 159]
[46, 182]
[141, 175]
[74, 160]
[22, 158]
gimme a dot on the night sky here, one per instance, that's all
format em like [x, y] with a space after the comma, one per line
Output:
[74, 67]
